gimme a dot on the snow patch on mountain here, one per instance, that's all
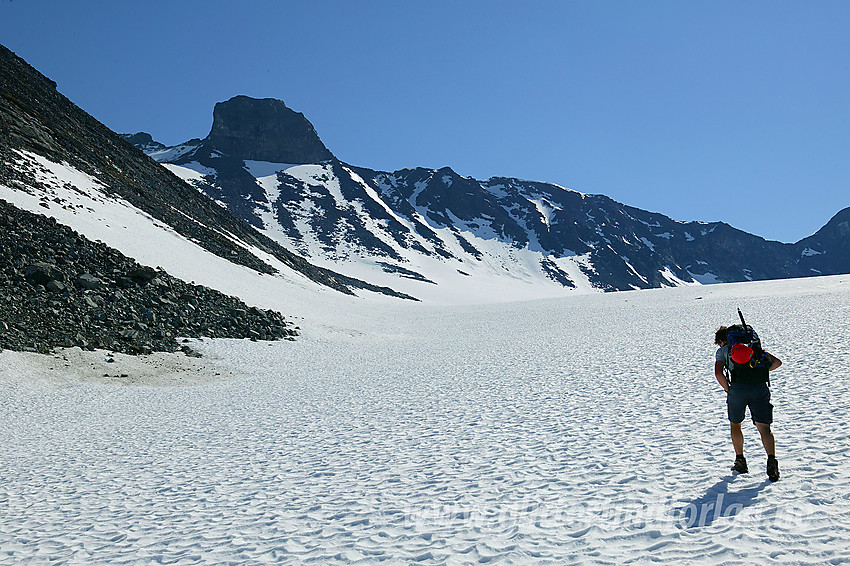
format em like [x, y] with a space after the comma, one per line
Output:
[635, 271]
[192, 172]
[375, 197]
[668, 274]
[706, 278]
[173, 153]
[545, 208]
[497, 273]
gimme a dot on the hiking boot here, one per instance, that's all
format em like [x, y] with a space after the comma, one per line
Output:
[772, 468]
[740, 465]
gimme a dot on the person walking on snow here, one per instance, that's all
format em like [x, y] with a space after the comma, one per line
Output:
[739, 396]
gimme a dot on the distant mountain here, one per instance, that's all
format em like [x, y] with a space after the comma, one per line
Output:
[827, 251]
[417, 228]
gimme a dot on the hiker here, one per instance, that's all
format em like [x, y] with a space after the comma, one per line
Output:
[747, 389]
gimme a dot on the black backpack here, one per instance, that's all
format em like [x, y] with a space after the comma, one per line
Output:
[747, 361]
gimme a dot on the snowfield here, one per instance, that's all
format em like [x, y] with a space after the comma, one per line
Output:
[583, 430]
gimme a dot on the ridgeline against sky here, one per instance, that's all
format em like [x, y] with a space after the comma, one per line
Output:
[674, 107]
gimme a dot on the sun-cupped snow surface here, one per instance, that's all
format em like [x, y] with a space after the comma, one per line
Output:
[582, 430]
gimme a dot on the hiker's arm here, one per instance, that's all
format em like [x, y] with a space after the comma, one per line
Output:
[721, 377]
[774, 362]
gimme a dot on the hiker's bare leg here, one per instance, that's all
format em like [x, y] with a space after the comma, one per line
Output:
[767, 438]
[737, 438]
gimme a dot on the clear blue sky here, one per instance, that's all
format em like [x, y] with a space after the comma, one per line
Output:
[701, 110]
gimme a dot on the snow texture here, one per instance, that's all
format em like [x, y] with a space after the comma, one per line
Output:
[583, 430]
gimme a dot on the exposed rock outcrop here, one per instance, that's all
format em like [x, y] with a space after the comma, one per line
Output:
[264, 130]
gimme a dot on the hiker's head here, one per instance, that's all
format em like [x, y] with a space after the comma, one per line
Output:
[720, 335]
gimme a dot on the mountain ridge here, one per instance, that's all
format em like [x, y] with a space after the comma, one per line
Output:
[402, 222]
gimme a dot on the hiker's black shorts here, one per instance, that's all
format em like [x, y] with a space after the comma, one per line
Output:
[756, 397]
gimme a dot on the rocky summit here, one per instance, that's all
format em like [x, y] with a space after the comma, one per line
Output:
[264, 130]
[58, 288]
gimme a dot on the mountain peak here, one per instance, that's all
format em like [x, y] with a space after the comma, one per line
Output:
[265, 130]
[143, 141]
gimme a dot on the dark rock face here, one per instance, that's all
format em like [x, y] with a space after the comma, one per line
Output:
[58, 288]
[827, 251]
[264, 130]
